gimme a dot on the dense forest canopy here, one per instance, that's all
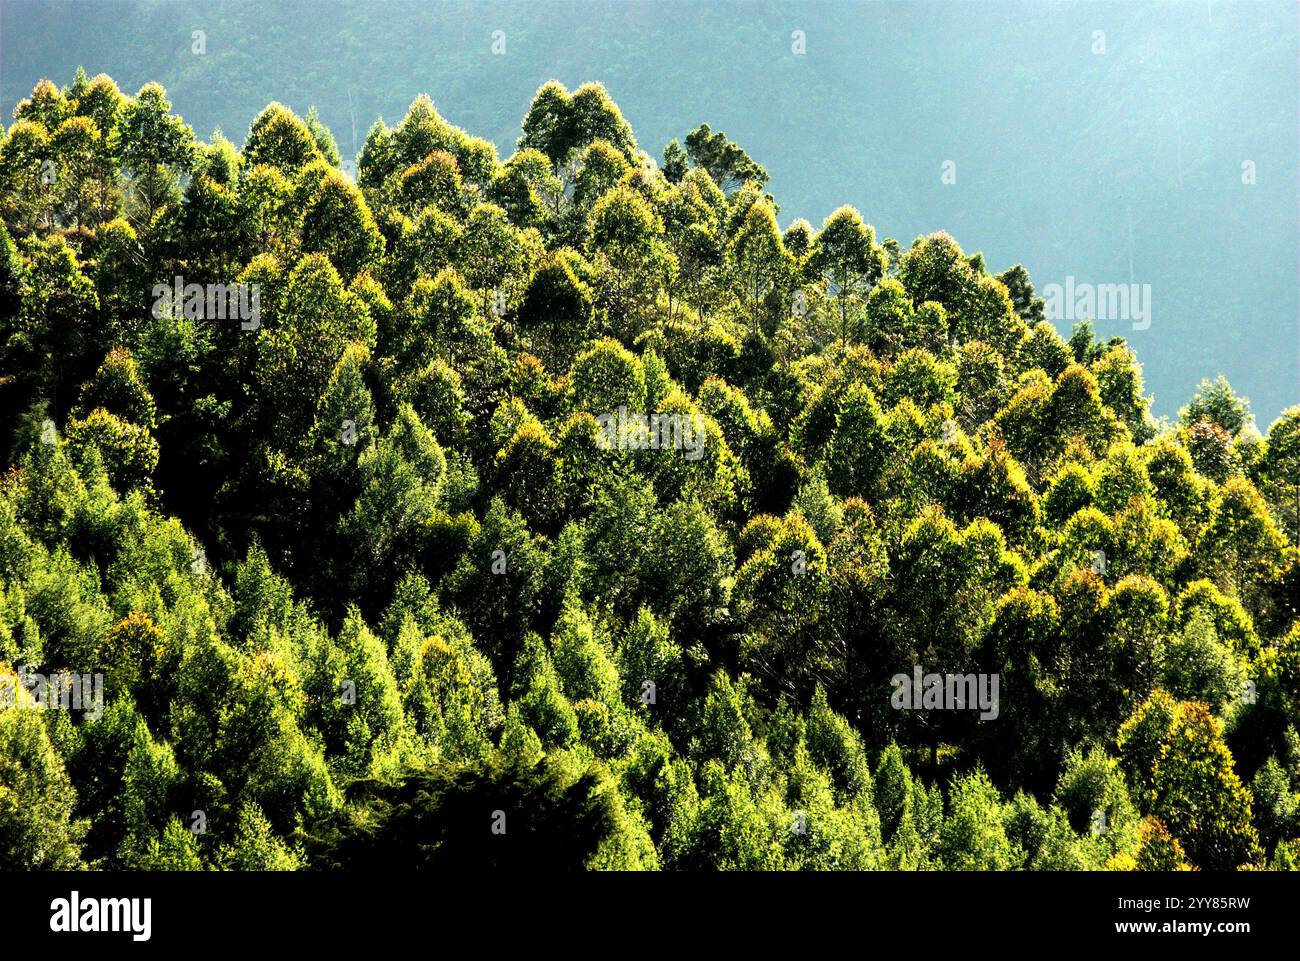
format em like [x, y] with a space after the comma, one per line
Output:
[565, 511]
[1111, 159]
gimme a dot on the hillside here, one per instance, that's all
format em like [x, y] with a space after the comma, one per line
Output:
[1115, 167]
[563, 510]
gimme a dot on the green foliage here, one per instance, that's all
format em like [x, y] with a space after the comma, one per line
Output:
[1174, 752]
[552, 815]
[338, 224]
[974, 837]
[364, 573]
[727, 163]
[38, 831]
[1217, 402]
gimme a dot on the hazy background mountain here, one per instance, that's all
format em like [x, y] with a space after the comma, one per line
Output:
[1110, 167]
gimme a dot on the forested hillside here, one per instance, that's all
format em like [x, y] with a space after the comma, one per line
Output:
[562, 511]
[1106, 140]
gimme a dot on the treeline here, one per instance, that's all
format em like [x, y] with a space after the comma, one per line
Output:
[390, 559]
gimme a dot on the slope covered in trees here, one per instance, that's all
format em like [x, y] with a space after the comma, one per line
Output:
[565, 511]
[1162, 152]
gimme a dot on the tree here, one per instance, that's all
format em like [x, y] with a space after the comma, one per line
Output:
[547, 126]
[433, 180]
[325, 142]
[1119, 382]
[527, 188]
[128, 452]
[556, 305]
[600, 168]
[1200, 667]
[1280, 471]
[1174, 753]
[559, 124]
[400, 480]
[846, 256]
[25, 159]
[607, 377]
[758, 261]
[297, 352]
[338, 224]
[935, 269]
[156, 148]
[973, 837]
[1216, 402]
[1030, 308]
[946, 583]
[38, 831]
[860, 444]
[782, 592]
[624, 233]
[674, 162]
[687, 571]
[548, 816]
[727, 163]
[1240, 545]
[497, 584]
[60, 342]
[496, 257]
[278, 138]
[1158, 850]
[647, 653]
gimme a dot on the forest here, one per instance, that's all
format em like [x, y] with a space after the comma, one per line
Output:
[565, 512]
